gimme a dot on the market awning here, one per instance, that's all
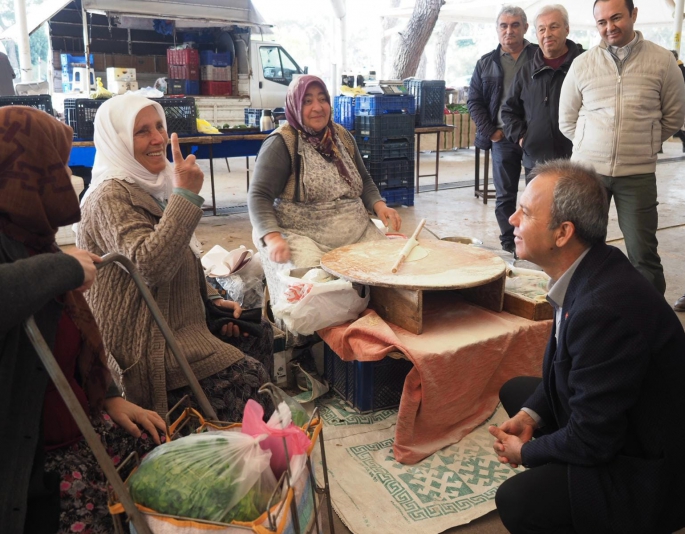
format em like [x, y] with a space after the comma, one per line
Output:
[202, 12]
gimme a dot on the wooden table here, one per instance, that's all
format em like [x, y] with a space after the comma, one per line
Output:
[429, 130]
[403, 298]
[195, 144]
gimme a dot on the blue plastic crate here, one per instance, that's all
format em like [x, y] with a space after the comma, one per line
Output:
[402, 196]
[343, 111]
[183, 87]
[382, 104]
[216, 59]
[367, 386]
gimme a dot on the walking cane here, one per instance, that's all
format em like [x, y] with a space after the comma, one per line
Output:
[77, 411]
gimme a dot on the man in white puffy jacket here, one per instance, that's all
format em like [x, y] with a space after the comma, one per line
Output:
[620, 100]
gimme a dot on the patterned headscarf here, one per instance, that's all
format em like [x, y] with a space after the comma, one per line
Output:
[325, 141]
[36, 195]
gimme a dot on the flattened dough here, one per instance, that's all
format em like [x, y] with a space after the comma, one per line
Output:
[417, 253]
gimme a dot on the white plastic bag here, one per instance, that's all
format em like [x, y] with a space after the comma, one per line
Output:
[308, 306]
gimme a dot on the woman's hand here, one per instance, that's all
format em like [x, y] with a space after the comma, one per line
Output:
[187, 174]
[230, 329]
[278, 248]
[388, 216]
[130, 416]
[87, 261]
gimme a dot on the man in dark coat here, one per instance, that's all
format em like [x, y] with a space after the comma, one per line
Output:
[493, 75]
[531, 110]
[6, 76]
[607, 412]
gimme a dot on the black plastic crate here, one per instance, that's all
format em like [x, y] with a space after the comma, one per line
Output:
[79, 113]
[430, 101]
[378, 151]
[390, 173]
[42, 102]
[380, 127]
[367, 386]
[253, 116]
[180, 114]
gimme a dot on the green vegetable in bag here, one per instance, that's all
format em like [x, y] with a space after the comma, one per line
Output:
[215, 476]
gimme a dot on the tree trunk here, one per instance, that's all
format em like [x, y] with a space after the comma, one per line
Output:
[423, 66]
[414, 38]
[386, 39]
[442, 41]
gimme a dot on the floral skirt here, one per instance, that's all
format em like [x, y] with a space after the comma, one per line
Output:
[229, 390]
[83, 486]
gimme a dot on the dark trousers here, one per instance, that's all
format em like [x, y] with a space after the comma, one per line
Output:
[536, 500]
[636, 206]
[506, 173]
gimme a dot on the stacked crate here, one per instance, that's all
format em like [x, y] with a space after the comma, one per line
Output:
[384, 131]
[69, 62]
[215, 73]
[430, 101]
[184, 71]
[343, 111]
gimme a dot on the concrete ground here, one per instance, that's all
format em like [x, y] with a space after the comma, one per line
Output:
[453, 211]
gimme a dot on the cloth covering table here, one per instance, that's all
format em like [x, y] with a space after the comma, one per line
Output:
[465, 354]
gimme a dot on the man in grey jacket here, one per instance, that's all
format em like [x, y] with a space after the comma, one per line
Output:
[620, 100]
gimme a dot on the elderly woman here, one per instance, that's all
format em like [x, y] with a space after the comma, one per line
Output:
[44, 457]
[311, 192]
[141, 206]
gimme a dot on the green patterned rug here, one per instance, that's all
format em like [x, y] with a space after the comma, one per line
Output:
[336, 412]
[373, 493]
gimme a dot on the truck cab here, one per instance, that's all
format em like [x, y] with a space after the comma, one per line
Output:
[273, 68]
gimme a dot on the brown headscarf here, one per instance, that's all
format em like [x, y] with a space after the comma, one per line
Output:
[325, 141]
[36, 197]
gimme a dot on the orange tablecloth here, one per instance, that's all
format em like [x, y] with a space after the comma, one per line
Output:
[461, 360]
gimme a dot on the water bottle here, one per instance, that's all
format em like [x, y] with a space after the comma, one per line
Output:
[266, 122]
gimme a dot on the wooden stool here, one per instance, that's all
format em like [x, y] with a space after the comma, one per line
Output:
[484, 193]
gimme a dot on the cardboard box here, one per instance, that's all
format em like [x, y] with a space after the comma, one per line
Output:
[115, 74]
[122, 61]
[99, 62]
[119, 88]
[161, 65]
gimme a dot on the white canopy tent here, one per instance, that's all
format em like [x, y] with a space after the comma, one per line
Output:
[650, 12]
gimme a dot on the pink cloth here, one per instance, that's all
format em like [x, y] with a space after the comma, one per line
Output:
[461, 360]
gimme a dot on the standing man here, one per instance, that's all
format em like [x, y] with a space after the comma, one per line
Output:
[6, 76]
[606, 414]
[531, 110]
[492, 77]
[620, 100]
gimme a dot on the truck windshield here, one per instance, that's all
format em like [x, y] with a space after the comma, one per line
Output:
[277, 65]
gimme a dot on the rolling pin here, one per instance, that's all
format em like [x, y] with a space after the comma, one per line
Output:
[409, 246]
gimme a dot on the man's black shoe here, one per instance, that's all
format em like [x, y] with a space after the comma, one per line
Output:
[511, 248]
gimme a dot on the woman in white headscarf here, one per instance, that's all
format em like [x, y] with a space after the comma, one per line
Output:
[143, 207]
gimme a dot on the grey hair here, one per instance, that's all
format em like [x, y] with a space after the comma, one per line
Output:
[579, 197]
[546, 10]
[513, 11]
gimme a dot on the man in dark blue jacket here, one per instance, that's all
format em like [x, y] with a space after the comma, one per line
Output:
[531, 110]
[493, 75]
[607, 413]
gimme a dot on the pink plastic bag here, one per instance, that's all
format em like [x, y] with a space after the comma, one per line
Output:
[295, 438]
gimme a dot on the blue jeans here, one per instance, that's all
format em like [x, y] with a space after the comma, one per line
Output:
[506, 173]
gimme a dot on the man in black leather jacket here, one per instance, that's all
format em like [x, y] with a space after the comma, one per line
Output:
[494, 73]
[531, 110]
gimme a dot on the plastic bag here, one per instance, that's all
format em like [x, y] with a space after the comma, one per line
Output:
[279, 426]
[245, 286]
[306, 307]
[214, 476]
[299, 415]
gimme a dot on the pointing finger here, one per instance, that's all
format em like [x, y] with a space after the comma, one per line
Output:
[176, 153]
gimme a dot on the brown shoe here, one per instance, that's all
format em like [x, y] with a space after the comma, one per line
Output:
[680, 304]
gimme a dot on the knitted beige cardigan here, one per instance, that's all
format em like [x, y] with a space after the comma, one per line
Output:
[121, 217]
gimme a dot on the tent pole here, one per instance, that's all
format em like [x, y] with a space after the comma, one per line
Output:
[678, 18]
[23, 41]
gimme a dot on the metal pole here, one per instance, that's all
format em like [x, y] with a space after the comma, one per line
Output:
[83, 422]
[86, 43]
[127, 264]
[23, 41]
[678, 17]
